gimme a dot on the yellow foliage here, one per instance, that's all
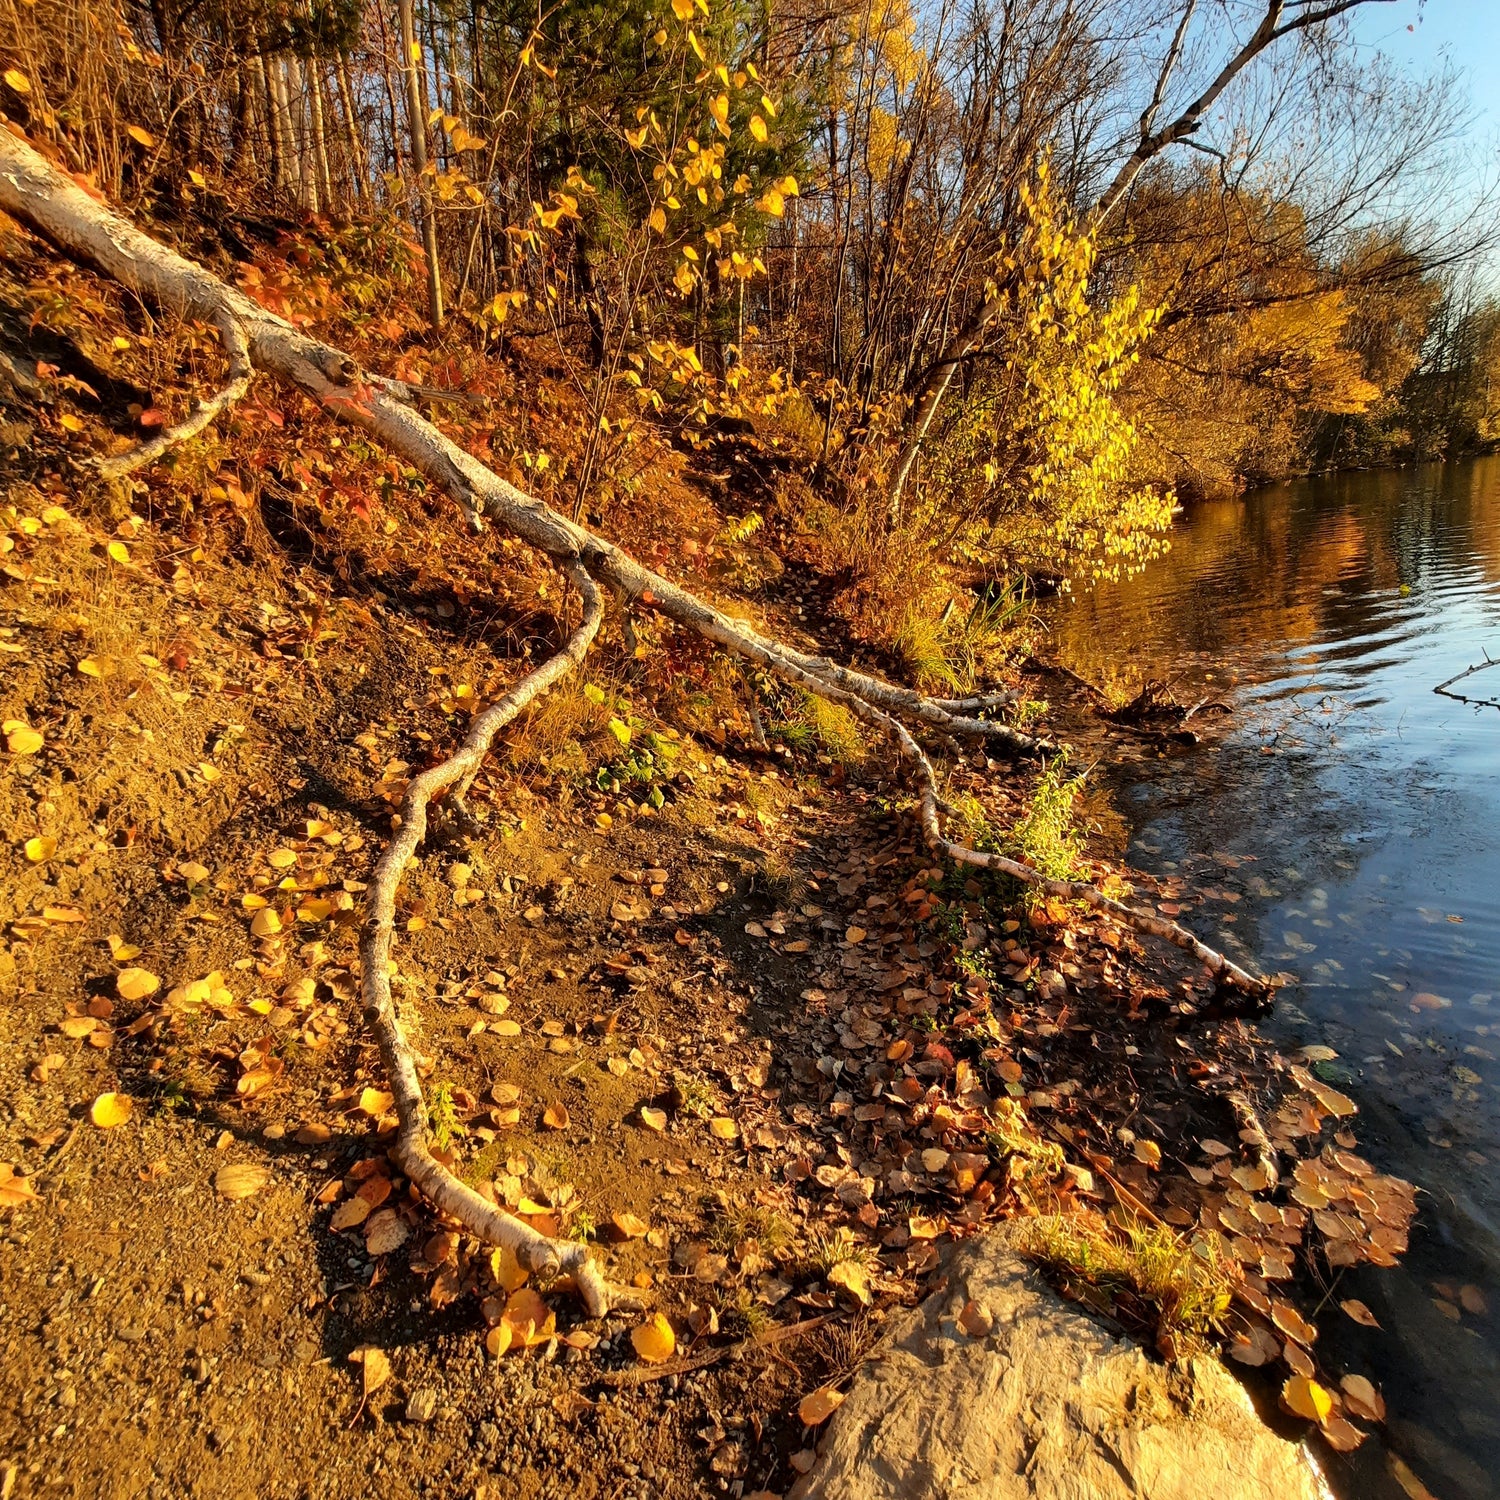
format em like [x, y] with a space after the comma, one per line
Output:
[1040, 457]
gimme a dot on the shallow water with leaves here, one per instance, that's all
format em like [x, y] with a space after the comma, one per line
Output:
[1345, 831]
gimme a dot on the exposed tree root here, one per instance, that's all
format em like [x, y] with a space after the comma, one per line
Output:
[536, 1252]
[240, 375]
[38, 195]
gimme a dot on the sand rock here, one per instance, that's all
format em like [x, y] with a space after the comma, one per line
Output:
[1025, 1395]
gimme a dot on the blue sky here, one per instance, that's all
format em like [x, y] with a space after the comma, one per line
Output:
[1465, 32]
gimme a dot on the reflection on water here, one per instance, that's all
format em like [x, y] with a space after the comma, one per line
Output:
[1348, 833]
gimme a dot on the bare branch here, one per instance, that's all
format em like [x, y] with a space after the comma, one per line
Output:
[240, 376]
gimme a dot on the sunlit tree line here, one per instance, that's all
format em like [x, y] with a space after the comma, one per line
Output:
[1011, 275]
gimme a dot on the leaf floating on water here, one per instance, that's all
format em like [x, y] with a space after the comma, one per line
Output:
[1408, 1481]
[1472, 1300]
[1306, 1398]
[1343, 1436]
[817, 1406]
[1292, 1323]
[654, 1340]
[1333, 1101]
[1362, 1398]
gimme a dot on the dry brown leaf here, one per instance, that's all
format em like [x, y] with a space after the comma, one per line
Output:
[240, 1180]
[1472, 1300]
[384, 1232]
[77, 1027]
[349, 1213]
[265, 923]
[629, 1227]
[817, 1406]
[375, 1365]
[723, 1128]
[1362, 1398]
[15, 1192]
[1343, 1436]
[976, 1320]
[653, 1119]
[555, 1116]
[1359, 1312]
[654, 1340]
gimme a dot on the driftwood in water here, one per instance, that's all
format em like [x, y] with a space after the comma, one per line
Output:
[1443, 687]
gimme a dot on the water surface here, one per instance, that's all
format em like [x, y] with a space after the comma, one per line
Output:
[1347, 832]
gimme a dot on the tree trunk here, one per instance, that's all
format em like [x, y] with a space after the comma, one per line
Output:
[359, 178]
[416, 110]
[314, 71]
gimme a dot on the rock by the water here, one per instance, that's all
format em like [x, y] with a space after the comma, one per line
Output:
[1036, 1401]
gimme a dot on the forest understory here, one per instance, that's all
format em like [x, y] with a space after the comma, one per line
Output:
[686, 986]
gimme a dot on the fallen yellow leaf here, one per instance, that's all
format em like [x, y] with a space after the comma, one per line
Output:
[654, 1340]
[23, 740]
[265, 923]
[136, 984]
[1306, 1398]
[110, 1110]
[817, 1406]
[40, 848]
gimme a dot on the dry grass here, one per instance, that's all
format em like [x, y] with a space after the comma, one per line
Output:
[1143, 1273]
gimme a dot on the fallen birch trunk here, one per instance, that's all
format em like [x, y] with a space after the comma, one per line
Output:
[52, 204]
